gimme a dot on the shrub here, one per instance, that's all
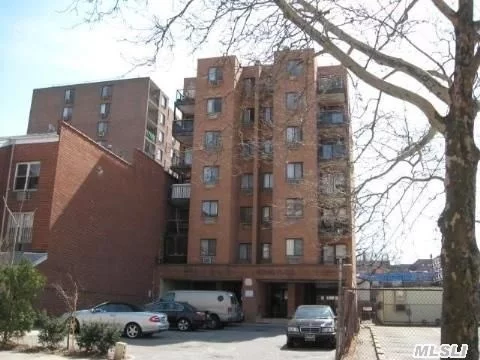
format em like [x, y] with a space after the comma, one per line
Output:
[19, 286]
[97, 337]
[52, 331]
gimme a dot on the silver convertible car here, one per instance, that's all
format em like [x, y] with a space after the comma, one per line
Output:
[130, 319]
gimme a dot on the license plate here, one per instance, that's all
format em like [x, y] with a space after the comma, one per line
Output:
[309, 337]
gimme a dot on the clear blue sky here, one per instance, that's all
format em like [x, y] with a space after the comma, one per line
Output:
[42, 45]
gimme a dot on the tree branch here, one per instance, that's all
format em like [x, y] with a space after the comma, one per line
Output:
[435, 119]
[446, 10]
[407, 68]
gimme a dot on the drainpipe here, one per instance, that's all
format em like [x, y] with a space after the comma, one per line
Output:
[6, 191]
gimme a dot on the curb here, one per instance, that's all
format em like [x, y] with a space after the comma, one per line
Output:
[378, 348]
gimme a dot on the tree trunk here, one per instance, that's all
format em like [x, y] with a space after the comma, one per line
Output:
[460, 255]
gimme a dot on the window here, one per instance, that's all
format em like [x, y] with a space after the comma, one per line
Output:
[149, 148]
[293, 135]
[208, 247]
[246, 215]
[294, 208]
[244, 252]
[215, 75]
[332, 150]
[248, 117]
[268, 115]
[161, 137]
[106, 92]
[294, 247]
[294, 172]
[246, 149]
[102, 127]
[331, 253]
[69, 96]
[247, 182]
[20, 227]
[67, 113]
[268, 148]
[332, 183]
[164, 101]
[293, 100]
[266, 214]
[104, 110]
[159, 155]
[162, 118]
[214, 106]
[26, 176]
[295, 67]
[210, 208]
[210, 175]
[212, 140]
[267, 181]
[266, 251]
[334, 220]
[248, 85]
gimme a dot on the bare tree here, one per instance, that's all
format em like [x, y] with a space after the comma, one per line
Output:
[69, 295]
[440, 40]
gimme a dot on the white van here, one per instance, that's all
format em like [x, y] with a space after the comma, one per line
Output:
[221, 306]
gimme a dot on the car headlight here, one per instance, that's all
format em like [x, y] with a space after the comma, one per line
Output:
[328, 323]
[328, 329]
[292, 329]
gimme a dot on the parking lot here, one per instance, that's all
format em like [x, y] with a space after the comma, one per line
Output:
[245, 341]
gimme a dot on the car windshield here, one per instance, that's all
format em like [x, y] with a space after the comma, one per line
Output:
[313, 313]
[189, 307]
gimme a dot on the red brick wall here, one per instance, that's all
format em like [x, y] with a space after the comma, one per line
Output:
[40, 201]
[107, 222]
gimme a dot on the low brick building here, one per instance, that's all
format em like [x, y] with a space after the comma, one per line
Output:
[96, 218]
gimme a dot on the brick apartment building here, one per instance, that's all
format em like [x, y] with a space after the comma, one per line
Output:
[263, 205]
[122, 115]
[83, 211]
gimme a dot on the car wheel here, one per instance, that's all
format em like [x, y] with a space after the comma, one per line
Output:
[183, 324]
[132, 331]
[214, 322]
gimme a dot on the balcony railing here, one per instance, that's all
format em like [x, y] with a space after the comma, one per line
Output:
[183, 128]
[185, 96]
[330, 118]
[181, 191]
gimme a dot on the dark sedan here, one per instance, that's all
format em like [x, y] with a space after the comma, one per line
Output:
[182, 315]
[311, 324]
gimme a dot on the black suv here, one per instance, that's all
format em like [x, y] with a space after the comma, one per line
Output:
[311, 324]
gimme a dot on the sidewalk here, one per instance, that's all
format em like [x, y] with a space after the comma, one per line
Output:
[363, 347]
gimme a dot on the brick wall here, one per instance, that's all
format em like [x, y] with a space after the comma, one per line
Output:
[107, 223]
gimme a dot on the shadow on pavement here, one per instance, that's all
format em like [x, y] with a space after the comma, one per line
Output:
[230, 334]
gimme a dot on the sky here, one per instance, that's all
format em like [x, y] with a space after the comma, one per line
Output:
[43, 45]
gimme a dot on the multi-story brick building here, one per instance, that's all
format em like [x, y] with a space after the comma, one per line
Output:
[263, 206]
[122, 115]
[76, 209]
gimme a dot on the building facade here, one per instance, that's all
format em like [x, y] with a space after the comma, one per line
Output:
[263, 207]
[81, 213]
[121, 115]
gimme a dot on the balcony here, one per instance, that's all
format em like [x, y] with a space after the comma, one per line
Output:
[182, 163]
[331, 89]
[185, 101]
[180, 194]
[330, 118]
[183, 131]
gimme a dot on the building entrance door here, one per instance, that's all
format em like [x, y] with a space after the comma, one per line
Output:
[277, 300]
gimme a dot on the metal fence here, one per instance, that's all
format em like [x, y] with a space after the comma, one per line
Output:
[388, 320]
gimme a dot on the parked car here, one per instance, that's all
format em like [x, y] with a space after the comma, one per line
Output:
[221, 307]
[310, 324]
[182, 315]
[131, 320]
